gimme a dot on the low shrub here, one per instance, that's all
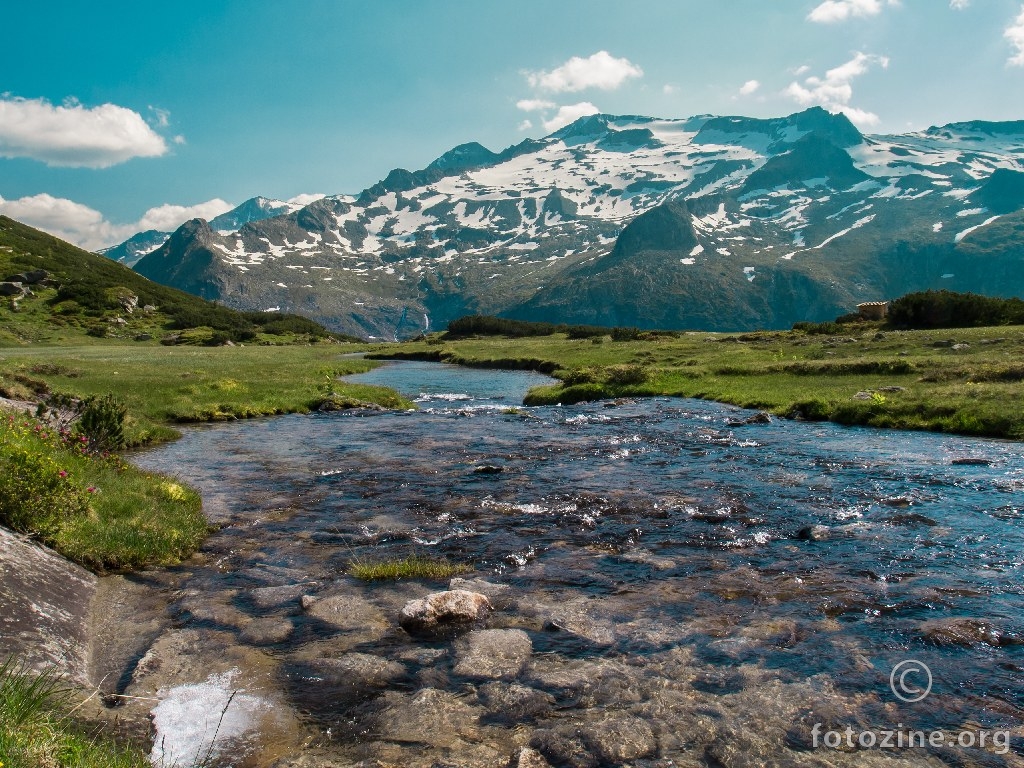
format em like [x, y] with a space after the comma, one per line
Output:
[101, 422]
[36, 494]
[626, 375]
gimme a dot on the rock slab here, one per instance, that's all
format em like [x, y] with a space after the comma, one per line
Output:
[45, 603]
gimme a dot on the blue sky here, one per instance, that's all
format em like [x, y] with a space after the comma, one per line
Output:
[117, 116]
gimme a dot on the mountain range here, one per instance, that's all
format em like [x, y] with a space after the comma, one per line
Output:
[719, 223]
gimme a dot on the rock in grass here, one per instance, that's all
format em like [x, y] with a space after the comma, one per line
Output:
[12, 289]
[440, 609]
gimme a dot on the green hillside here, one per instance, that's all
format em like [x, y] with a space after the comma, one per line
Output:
[84, 296]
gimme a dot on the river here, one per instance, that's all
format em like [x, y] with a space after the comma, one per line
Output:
[694, 590]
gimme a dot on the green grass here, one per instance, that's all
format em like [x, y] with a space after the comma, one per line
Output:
[411, 567]
[163, 386]
[90, 297]
[96, 510]
[36, 732]
[976, 390]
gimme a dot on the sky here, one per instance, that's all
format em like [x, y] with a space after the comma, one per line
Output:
[118, 117]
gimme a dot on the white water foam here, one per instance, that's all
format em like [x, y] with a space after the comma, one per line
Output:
[195, 722]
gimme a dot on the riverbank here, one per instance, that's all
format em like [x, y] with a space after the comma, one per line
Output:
[101, 513]
[106, 515]
[962, 381]
[166, 386]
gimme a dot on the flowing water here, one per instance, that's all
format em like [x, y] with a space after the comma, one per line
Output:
[695, 591]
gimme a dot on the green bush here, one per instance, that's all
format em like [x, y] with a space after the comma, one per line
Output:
[581, 376]
[625, 334]
[36, 495]
[946, 309]
[626, 375]
[828, 328]
[101, 422]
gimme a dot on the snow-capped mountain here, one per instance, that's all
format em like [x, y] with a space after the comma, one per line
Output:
[707, 222]
[255, 209]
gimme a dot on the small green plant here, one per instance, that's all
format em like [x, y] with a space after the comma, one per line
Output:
[626, 375]
[410, 567]
[36, 731]
[36, 495]
[581, 376]
[101, 422]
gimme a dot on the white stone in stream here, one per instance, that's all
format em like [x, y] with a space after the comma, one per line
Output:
[493, 653]
[456, 606]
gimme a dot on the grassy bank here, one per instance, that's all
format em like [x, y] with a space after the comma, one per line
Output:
[94, 509]
[163, 386]
[966, 380]
[130, 518]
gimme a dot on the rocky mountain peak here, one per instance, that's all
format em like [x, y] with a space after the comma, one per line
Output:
[464, 157]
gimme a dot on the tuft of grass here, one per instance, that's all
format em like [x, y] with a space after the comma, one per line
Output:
[411, 567]
[35, 729]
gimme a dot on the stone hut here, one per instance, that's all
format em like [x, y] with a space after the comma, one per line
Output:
[873, 310]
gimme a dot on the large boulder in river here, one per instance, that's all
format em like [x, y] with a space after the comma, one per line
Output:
[441, 609]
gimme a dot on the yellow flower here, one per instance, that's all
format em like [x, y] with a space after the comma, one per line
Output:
[174, 492]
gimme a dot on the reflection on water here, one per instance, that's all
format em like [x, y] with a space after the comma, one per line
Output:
[693, 592]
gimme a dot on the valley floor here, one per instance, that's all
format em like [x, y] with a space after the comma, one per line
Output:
[964, 381]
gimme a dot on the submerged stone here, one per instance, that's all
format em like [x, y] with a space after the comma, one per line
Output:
[493, 653]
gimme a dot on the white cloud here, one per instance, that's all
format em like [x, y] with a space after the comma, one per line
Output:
[87, 228]
[1015, 34]
[749, 87]
[75, 136]
[803, 69]
[161, 117]
[668, 89]
[534, 105]
[959, 5]
[601, 70]
[832, 11]
[167, 217]
[835, 90]
[306, 199]
[568, 113]
[526, 125]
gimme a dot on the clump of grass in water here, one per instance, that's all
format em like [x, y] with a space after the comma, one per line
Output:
[35, 731]
[410, 567]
